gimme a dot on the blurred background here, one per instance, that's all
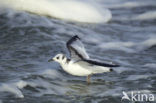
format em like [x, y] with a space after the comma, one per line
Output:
[33, 31]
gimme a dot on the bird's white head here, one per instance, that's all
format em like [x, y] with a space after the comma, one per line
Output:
[60, 58]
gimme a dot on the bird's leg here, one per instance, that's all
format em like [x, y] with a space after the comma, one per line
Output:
[88, 79]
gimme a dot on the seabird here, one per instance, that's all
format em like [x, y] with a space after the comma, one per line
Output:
[79, 63]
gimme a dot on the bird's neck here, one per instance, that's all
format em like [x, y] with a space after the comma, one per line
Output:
[65, 61]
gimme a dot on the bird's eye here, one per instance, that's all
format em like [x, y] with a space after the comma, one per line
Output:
[57, 57]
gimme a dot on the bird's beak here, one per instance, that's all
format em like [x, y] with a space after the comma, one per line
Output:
[50, 60]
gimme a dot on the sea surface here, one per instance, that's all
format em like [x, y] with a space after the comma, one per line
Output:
[28, 40]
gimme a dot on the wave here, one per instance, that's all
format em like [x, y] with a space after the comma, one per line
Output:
[126, 4]
[69, 10]
[118, 46]
[137, 77]
[146, 16]
[150, 65]
[15, 87]
[129, 47]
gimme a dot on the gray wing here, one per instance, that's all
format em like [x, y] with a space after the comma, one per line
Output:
[76, 49]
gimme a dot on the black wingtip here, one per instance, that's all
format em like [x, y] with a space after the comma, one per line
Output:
[73, 39]
[116, 65]
[76, 37]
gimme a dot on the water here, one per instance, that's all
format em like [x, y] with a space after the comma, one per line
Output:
[27, 41]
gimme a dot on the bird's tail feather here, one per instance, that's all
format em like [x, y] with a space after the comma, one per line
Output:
[101, 69]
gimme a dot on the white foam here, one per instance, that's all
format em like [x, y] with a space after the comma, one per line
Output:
[129, 46]
[149, 42]
[117, 44]
[21, 84]
[122, 69]
[14, 87]
[146, 16]
[71, 10]
[136, 77]
[11, 88]
[151, 65]
[127, 4]
[25, 20]
[125, 46]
